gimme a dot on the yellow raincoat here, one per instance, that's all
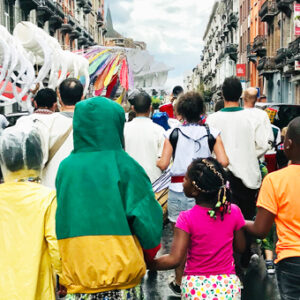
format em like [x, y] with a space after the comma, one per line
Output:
[29, 253]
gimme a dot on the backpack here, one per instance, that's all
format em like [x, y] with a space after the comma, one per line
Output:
[174, 138]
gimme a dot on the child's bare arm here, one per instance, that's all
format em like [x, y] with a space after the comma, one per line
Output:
[178, 252]
[262, 224]
[239, 241]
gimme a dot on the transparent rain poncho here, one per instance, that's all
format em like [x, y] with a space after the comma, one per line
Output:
[21, 150]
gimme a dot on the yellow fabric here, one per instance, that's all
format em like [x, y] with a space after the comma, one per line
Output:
[96, 56]
[28, 247]
[111, 71]
[279, 195]
[93, 264]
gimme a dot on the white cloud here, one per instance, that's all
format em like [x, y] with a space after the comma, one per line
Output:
[172, 29]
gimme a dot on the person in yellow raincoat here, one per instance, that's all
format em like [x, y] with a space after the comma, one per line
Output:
[29, 255]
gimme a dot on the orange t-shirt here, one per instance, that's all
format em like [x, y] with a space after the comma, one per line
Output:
[280, 195]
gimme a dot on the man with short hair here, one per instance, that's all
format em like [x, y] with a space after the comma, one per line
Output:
[144, 139]
[69, 93]
[45, 101]
[243, 146]
[259, 117]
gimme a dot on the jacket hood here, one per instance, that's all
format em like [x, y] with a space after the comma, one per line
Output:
[98, 125]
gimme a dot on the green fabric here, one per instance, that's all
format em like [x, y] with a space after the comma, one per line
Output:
[101, 190]
[231, 109]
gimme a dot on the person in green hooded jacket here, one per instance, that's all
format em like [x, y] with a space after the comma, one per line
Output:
[108, 222]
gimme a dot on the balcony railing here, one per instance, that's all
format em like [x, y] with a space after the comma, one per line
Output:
[80, 3]
[280, 57]
[250, 55]
[268, 11]
[294, 50]
[259, 45]
[28, 5]
[66, 28]
[99, 18]
[266, 66]
[87, 7]
[231, 48]
[285, 6]
[233, 21]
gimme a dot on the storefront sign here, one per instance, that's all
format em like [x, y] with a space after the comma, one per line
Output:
[297, 65]
[241, 70]
[297, 18]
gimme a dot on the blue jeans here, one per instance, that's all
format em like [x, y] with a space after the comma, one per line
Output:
[178, 202]
[288, 277]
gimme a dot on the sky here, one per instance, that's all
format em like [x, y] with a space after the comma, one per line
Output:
[172, 29]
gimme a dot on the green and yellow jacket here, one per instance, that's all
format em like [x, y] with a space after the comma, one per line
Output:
[106, 210]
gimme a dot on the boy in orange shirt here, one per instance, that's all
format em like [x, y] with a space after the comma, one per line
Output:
[279, 200]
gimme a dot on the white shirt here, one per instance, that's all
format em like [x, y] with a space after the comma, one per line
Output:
[144, 142]
[263, 129]
[192, 143]
[242, 142]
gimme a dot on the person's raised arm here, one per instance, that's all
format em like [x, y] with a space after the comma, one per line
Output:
[177, 254]
[165, 159]
[220, 153]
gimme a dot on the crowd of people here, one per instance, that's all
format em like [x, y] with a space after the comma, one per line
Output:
[80, 219]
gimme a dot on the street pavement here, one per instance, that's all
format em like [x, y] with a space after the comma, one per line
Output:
[258, 285]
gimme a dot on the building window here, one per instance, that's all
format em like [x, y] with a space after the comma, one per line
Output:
[9, 16]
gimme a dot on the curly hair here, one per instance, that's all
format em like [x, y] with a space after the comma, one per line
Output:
[190, 106]
[209, 178]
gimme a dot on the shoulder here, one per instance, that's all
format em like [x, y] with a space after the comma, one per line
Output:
[46, 195]
[235, 210]
[277, 176]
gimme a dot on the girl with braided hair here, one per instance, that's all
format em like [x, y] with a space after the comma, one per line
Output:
[208, 233]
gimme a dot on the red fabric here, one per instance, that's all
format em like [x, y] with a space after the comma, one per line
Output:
[8, 92]
[149, 254]
[111, 86]
[124, 75]
[168, 108]
[177, 179]
[271, 162]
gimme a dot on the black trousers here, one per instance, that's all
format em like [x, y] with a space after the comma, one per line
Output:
[243, 197]
[288, 277]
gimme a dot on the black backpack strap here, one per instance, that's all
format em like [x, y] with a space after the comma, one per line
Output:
[174, 139]
[211, 139]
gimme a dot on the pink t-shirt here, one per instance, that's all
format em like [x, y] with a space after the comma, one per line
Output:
[211, 241]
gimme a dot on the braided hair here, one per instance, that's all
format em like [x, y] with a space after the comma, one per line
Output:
[209, 178]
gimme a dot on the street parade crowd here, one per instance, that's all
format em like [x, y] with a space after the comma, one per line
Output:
[80, 218]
